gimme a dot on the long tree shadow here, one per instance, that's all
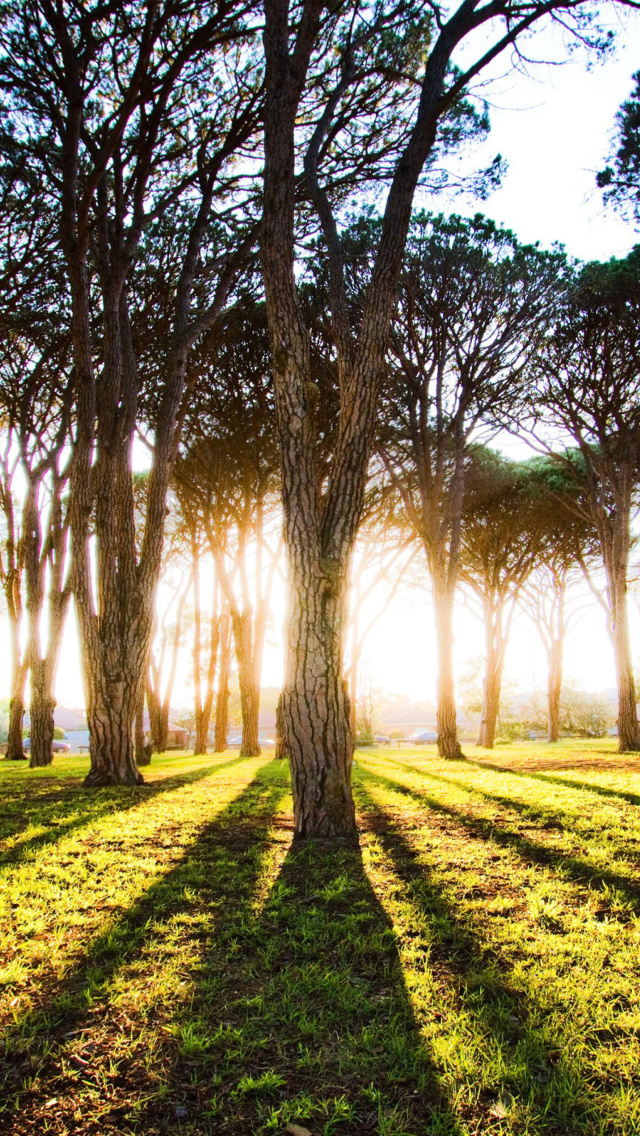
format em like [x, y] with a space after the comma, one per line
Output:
[218, 870]
[563, 782]
[548, 814]
[304, 1017]
[576, 868]
[558, 1100]
[64, 811]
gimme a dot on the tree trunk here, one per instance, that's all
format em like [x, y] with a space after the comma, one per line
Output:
[15, 748]
[204, 706]
[282, 748]
[315, 705]
[554, 689]
[492, 685]
[142, 751]
[448, 744]
[111, 713]
[248, 681]
[222, 699]
[628, 733]
[41, 712]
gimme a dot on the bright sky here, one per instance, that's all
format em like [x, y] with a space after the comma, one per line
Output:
[553, 127]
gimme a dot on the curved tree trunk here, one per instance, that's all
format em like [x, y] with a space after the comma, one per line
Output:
[448, 744]
[222, 698]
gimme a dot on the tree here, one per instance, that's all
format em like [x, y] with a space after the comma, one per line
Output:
[567, 549]
[382, 555]
[227, 480]
[472, 305]
[621, 179]
[502, 531]
[35, 422]
[587, 380]
[110, 104]
[341, 87]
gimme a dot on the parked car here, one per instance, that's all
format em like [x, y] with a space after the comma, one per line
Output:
[234, 743]
[382, 740]
[56, 746]
[423, 737]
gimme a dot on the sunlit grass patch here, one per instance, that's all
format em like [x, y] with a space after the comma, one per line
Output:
[173, 965]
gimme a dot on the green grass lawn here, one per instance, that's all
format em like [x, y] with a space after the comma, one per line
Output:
[171, 965]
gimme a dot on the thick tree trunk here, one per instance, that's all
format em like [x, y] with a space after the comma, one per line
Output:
[15, 748]
[315, 706]
[554, 689]
[111, 715]
[222, 698]
[448, 744]
[41, 712]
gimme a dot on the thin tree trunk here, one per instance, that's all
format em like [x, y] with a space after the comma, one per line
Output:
[628, 732]
[15, 748]
[492, 685]
[446, 716]
[247, 679]
[316, 705]
[142, 752]
[222, 699]
[554, 688]
[282, 748]
[203, 706]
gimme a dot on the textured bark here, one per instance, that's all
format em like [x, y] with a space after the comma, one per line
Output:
[15, 748]
[315, 707]
[448, 744]
[222, 697]
[41, 712]
[321, 516]
[282, 746]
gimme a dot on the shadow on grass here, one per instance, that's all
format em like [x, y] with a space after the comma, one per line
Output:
[76, 807]
[304, 1016]
[556, 1100]
[572, 867]
[563, 782]
[217, 870]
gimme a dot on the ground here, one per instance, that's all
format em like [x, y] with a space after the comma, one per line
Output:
[171, 965]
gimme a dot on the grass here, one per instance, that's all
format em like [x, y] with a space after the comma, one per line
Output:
[171, 965]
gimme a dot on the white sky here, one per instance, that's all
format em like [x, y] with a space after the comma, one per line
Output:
[553, 127]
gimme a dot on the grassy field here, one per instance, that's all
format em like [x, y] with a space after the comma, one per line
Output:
[171, 965]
